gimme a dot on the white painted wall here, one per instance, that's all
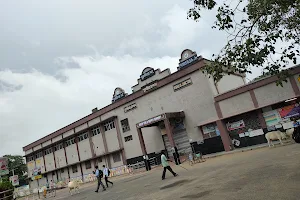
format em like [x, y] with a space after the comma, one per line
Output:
[153, 139]
[98, 144]
[81, 127]
[229, 82]
[271, 93]
[60, 158]
[76, 174]
[85, 149]
[72, 154]
[49, 160]
[115, 164]
[236, 104]
[112, 140]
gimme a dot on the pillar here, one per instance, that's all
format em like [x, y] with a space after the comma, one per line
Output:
[105, 146]
[120, 140]
[76, 141]
[224, 135]
[142, 142]
[169, 132]
[261, 119]
[294, 86]
[91, 143]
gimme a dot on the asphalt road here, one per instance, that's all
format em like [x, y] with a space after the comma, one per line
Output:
[258, 174]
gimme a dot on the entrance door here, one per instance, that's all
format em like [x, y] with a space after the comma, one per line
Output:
[181, 140]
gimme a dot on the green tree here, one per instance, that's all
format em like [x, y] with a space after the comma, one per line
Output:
[261, 33]
[16, 164]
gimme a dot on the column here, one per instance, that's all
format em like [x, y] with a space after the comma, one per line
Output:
[105, 145]
[120, 140]
[261, 119]
[224, 135]
[294, 85]
[169, 132]
[76, 141]
[91, 143]
[142, 142]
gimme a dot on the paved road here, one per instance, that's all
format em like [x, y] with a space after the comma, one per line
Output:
[259, 174]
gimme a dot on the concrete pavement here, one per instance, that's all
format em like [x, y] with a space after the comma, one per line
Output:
[260, 174]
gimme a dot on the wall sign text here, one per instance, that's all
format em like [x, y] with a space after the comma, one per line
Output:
[182, 84]
[147, 73]
[119, 93]
[187, 62]
[150, 87]
[130, 107]
[150, 121]
[235, 125]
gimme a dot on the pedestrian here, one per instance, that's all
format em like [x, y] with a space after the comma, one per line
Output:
[166, 166]
[52, 188]
[106, 173]
[191, 159]
[99, 175]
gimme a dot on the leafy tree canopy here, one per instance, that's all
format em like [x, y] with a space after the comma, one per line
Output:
[17, 163]
[261, 33]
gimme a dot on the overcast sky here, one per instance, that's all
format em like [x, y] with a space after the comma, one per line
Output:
[61, 58]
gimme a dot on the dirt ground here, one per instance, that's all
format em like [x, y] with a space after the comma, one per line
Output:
[267, 173]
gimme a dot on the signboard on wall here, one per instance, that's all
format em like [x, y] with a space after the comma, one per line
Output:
[235, 125]
[187, 57]
[151, 121]
[289, 111]
[209, 128]
[130, 107]
[150, 87]
[147, 73]
[14, 180]
[3, 166]
[182, 84]
[119, 93]
[272, 118]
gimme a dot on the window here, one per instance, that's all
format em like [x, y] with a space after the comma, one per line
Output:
[62, 170]
[48, 151]
[39, 154]
[74, 169]
[83, 136]
[128, 138]
[58, 147]
[30, 158]
[96, 131]
[100, 160]
[70, 142]
[53, 173]
[88, 165]
[116, 157]
[109, 125]
[125, 125]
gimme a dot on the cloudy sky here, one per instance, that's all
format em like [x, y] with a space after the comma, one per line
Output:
[61, 58]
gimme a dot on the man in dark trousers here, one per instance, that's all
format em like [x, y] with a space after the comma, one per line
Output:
[165, 164]
[99, 175]
[106, 173]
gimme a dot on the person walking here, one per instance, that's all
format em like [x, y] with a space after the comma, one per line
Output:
[52, 188]
[166, 166]
[106, 173]
[99, 175]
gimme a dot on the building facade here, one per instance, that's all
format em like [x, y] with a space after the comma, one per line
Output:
[185, 109]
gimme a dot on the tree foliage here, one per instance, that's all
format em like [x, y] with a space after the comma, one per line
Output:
[17, 163]
[261, 33]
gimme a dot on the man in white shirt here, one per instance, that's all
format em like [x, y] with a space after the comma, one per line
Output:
[99, 175]
[166, 166]
[106, 173]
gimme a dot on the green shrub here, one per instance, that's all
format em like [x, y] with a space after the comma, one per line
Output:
[4, 186]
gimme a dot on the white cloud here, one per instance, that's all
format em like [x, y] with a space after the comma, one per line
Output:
[45, 104]
[35, 103]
